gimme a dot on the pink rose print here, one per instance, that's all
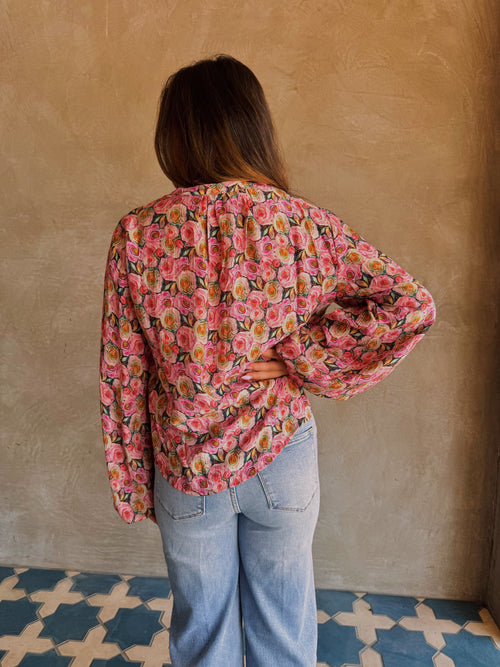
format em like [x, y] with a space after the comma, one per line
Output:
[200, 282]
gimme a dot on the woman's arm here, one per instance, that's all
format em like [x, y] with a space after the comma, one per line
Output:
[125, 367]
[382, 313]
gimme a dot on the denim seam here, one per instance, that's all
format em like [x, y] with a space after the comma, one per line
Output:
[268, 497]
[234, 500]
[199, 512]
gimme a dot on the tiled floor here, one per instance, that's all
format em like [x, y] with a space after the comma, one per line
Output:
[54, 618]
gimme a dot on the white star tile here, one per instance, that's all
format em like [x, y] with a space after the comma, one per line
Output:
[441, 660]
[154, 655]
[365, 621]
[370, 658]
[52, 599]
[72, 573]
[20, 570]
[7, 590]
[485, 628]
[165, 605]
[432, 627]
[91, 648]
[27, 642]
[112, 602]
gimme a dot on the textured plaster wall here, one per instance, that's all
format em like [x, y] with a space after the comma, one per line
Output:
[385, 113]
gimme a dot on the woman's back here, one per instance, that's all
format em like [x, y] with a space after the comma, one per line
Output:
[199, 284]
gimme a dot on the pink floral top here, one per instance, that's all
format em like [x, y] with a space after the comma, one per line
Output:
[198, 284]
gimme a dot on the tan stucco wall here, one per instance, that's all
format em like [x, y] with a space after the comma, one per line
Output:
[384, 110]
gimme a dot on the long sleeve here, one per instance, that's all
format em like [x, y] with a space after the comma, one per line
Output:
[125, 368]
[381, 313]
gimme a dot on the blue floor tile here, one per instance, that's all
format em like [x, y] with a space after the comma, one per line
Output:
[34, 580]
[15, 614]
[338, 644]
[332, 602]
[133, 626]
[404, 648]
[394, 606]
[117, 661]
[149, 587]
[49, 659]
[70, 621]
[455, 610]
[6, 572]
[467, 650]
[88, 584]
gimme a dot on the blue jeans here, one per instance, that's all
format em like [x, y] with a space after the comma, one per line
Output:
[244, 557]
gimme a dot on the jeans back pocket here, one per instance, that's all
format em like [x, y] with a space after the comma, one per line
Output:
[291, 480]
[177, 504]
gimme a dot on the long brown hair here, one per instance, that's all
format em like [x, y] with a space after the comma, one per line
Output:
[214, 125]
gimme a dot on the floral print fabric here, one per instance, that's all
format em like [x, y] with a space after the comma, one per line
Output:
[198, 284]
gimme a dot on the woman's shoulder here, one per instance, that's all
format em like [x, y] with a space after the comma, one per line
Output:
[247, 195]
[143, 214]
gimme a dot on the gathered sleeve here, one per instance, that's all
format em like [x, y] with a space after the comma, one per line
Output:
[126, 365]
[380, 313]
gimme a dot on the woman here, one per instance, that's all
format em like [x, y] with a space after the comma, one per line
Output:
[218, 448]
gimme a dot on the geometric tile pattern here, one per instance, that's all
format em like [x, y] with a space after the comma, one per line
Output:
[398, 631]
[62, 618]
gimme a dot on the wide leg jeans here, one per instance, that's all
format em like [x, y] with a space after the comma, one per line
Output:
[243, 557]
